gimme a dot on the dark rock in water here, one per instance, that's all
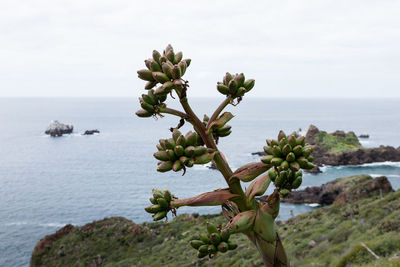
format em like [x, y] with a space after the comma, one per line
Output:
[340, 148]
[355, 155]
[314, 170]
[358, 156]
[342, 190]
[363, 136]
[90, 132]
[58, 129]
[259, 153]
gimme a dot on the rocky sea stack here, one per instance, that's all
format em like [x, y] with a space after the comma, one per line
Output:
[341, 148]
[58, 129]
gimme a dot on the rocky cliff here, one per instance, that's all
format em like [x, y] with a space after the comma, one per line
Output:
[327, 236]
[342, 190]
[340, 148]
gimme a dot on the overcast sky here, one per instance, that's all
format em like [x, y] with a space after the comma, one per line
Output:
[292, 48]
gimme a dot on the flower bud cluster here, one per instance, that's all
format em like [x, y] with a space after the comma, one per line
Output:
[235, 85]
[288, 155]
[215, 241]
[181, 151]
[166, 69]
[161, 201]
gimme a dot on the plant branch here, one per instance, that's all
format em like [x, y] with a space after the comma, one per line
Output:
[173, 112]
[223, 167]
[219, 110]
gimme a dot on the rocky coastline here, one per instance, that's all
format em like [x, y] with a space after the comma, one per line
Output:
[341, 191]
[340, 148]
[356, 217]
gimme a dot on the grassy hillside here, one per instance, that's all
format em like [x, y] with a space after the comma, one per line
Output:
[328, 236]
[332, 143]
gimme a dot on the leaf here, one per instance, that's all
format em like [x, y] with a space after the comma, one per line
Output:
[242, 222]
[272, 205]
[258, 186]
[221, 121]
[248, 172]
[214, 198]
[264, 225]
[273, 254]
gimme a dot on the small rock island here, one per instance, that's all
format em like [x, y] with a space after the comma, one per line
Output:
[58, 129]
[91, 132]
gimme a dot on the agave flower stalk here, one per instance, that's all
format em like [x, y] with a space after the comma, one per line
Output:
[281, 167]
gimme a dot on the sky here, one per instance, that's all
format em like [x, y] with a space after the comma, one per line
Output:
[93, 48]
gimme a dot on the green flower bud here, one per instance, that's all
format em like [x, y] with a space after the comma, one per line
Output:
[177, 166]
[284, 192]
[277, 151]
[143, 113]
[161, 155]
[290, 157]
[295, 166]
[153, 208]
[165, 166]
[297, 182]
[146, 75]
[223, 247]
[178, 57]
[272, 174]
[249, 84]
[268, 150]
[267, 159]
[285, 165]
[159, 215]
[281, 135]
[287, 149]
[276, 161]
[156, 56]
[196, 244]
[160, 77]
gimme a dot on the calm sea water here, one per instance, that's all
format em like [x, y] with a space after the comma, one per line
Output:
[47, 182]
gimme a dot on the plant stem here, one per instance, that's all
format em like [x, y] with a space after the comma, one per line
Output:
[223, 167]
[174, 112]
[219, 110]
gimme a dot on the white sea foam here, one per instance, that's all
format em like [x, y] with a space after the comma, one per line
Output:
[58, 225]
[395, 164]
[202, 167]
[313, 205]
[373, 175]
[323, 168]
[16, 223]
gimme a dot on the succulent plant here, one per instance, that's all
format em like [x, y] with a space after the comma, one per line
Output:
[282, 166]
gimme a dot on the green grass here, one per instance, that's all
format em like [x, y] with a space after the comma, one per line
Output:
[337, 231]
[332, 143]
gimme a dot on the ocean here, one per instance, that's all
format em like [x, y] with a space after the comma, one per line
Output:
[48, 182]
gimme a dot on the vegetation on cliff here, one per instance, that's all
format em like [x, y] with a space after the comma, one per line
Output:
[337, 142]
[328, 236]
